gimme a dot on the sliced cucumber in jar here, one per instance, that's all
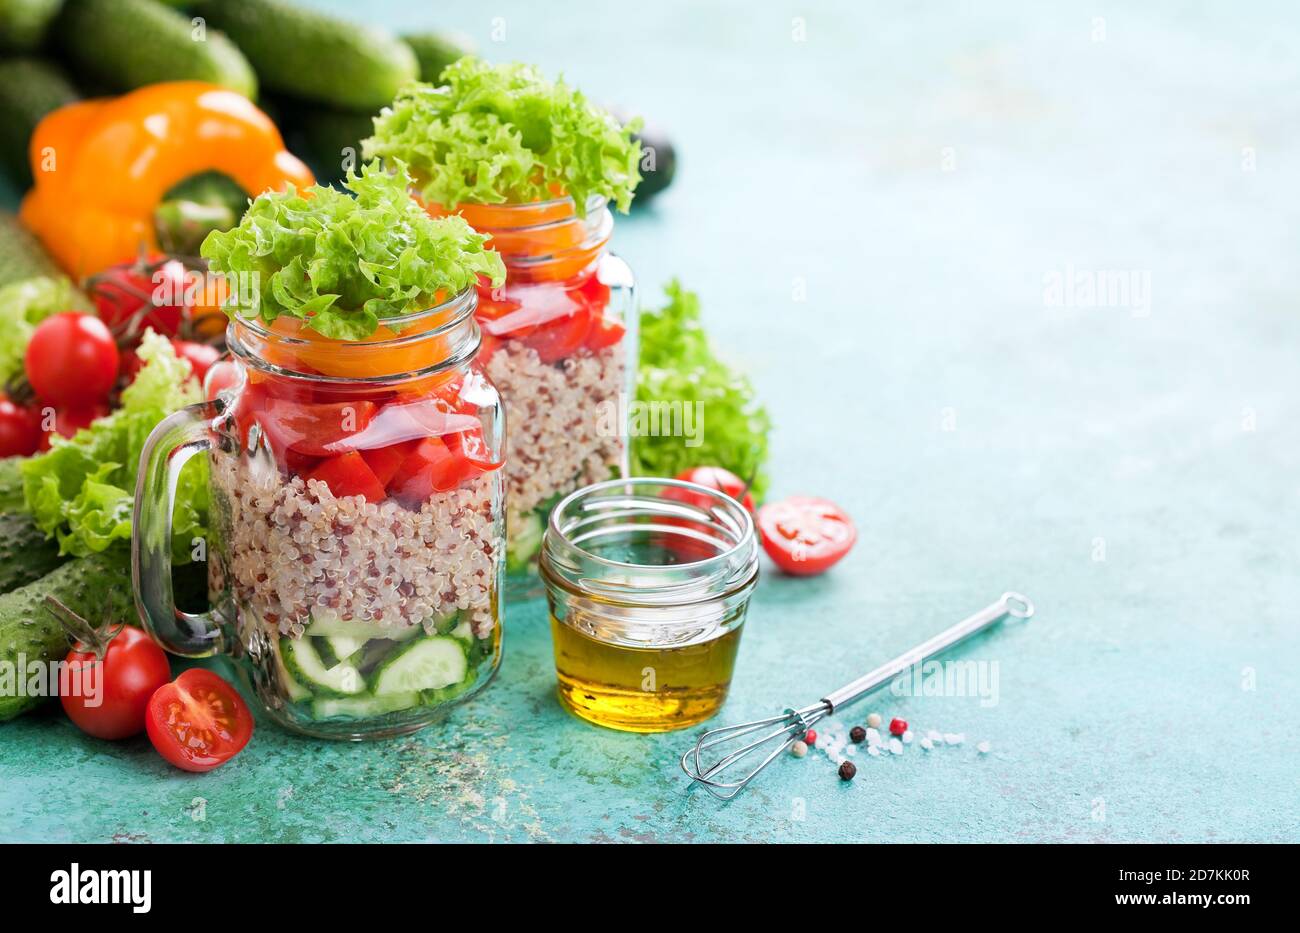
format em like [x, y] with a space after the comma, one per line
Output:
[363, 707]
[335, 649]
[326, 626]
[428, 664]
[296, 691]
[305, 664]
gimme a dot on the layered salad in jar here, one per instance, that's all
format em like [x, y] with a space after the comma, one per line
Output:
[356, 475]
[536, 166]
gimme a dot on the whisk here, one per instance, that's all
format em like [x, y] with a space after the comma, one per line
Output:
[794, 723]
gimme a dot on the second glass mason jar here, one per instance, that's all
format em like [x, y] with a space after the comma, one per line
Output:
[357, 550]
[560, 344]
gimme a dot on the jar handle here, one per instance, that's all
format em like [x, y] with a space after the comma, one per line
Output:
[170, 445]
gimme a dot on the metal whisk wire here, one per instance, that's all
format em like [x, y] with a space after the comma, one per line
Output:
[794, 723]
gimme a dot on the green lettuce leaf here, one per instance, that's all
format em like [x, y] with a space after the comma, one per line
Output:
[82, 491]
[25, 304]
[341, 262]
[678, 365]
[504, 133]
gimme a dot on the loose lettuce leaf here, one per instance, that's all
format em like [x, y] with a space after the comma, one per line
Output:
[678, 365]
[504, 133]
[25, 304]
[82, 491]
[341, 262]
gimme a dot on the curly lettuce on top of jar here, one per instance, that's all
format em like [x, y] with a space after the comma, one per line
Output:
[531, 162]
[356, 460]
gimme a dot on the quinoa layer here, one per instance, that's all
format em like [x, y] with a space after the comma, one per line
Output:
[292, 548]
[554, 419]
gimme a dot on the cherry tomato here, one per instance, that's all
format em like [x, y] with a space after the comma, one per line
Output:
[107, 698]
[198, 721]
[129, 297]
[72, 360]
[349, 475]
[68, 421]
[20, 429]
[201, 356]
[221, 375]
[714, 478]
[805, 535]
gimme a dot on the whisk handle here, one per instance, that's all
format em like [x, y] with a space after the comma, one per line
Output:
[1009, 604]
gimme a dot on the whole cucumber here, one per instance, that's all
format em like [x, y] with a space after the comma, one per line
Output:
[21, 255]
[26, 554]
[436, 50]
[316, 56]
[29, 89]
[30, 634]
[125, 44]
[23, 23]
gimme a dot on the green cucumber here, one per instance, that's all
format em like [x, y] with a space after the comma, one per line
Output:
[29, 89]
[436, 50]
[125, 44]
[326, 625]
[363, 707]
[327, 139]
[335, 649]
[297, 692]
[26, 554]
[428, 664]
[24, 23]
[305, 665]
[22, 256]
[350, 65]
[89, 586]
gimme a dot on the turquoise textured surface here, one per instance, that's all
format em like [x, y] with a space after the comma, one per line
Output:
[873, 200]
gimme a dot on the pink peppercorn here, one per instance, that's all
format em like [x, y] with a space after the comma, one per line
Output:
[897, 726]
[810, 737]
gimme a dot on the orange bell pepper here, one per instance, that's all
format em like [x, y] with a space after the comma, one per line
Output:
[102, 166]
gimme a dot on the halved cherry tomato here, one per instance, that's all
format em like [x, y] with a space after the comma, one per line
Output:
[384, 461]
[349, 475]
[713, 477]
[427, 469]
[198, 721]
[805, 535]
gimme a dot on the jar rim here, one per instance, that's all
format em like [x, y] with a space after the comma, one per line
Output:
[567, 563]
[462, 305]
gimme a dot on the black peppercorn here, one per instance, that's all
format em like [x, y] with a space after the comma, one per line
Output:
[847, 770]
[857, 734]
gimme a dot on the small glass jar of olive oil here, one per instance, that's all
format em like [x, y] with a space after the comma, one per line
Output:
[648, 581]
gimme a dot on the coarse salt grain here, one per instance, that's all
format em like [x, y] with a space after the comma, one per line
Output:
[907, 736]
[874, 751]
[895, 746]
[927, 744]
[873, 736]
[983, 748]
[935, 738]
[953, 738]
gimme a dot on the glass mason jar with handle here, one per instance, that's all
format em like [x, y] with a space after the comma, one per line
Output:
[357, 550]
[560, 344]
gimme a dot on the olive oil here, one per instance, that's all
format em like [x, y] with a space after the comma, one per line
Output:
[638, 687]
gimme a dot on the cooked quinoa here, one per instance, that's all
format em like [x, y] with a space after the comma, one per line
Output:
[293, 547]
[554, 418]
